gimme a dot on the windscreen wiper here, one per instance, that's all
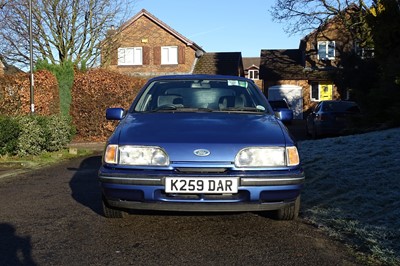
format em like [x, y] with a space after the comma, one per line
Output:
[171, 107]
[256, 109]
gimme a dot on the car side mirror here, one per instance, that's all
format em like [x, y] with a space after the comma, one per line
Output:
[115, 113]
[285, 115]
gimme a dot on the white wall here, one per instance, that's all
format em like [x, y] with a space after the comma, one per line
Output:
[293, 95]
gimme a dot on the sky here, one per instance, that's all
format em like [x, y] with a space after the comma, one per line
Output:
[223, 25]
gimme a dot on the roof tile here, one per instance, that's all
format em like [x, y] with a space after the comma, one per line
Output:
[224, 63]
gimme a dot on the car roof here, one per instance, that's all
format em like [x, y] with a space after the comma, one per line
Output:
[277, 100]
[199, 76]
[337, 101]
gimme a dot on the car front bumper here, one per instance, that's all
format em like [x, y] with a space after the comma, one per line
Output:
[260, 191]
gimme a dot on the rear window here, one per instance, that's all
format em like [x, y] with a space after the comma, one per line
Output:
[343, 107]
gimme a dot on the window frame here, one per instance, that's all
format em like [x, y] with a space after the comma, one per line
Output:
[328, 45]
[124, 60]
[314, 90]
[171, 58]
[251, 72]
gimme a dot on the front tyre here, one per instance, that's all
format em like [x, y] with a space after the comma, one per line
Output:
[290, 212]
[112, 213]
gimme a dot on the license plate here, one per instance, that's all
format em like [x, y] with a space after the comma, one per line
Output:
[201, 185]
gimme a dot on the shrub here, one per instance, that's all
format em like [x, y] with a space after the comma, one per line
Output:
[9, 134]
[57, 132]
[32, 135]
[31, 138]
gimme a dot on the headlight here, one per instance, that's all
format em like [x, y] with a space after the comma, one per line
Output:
[136, 155]
[267, 157]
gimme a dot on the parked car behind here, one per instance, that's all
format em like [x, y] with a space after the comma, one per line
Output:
[332, 118]
[282, 110]
[200, 143]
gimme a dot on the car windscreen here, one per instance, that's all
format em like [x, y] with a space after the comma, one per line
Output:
[204, 95]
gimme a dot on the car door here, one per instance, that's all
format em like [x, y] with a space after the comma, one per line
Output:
[310, 123]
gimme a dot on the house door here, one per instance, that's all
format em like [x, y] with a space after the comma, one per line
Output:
[293, 95]
[325, 92]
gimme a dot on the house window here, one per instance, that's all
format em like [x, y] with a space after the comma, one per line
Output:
[321, 91]
[169, 55]
[326, 50]
[364, 52]
[252, 74]
[130, 56]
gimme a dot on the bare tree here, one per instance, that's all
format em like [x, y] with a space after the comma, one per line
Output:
[302, 16]
[62, 30]
[2, 3]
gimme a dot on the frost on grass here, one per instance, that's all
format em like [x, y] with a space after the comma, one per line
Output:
[352, 190]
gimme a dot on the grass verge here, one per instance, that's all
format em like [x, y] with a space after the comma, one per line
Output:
[11, 163]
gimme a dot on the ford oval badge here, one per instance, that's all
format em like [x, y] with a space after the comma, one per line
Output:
[201, 152]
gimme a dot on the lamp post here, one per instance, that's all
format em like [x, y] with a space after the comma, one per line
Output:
[31, 80]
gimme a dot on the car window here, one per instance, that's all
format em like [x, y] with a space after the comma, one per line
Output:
[351, 108]
[341, 107]
[191, 95]
[278, 104]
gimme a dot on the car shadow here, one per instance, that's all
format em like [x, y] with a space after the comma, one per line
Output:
[84, 184]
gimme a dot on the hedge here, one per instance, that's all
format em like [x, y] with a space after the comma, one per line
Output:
[33, 134]
[92, 93]
[15, 94]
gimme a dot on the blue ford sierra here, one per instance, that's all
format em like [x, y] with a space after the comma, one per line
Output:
[200, 143]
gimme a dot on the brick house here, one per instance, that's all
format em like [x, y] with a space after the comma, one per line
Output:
[145, 46]
[252, 69]
[311, 73]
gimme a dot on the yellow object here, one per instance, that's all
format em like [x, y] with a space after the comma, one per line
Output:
[325, 92]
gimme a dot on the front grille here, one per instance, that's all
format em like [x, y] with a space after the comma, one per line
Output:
[240, 196]
[194, 170]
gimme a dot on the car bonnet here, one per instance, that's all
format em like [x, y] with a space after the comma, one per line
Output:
[181, 134]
